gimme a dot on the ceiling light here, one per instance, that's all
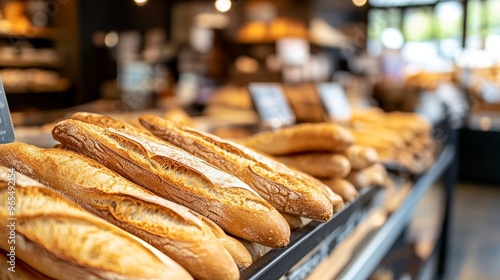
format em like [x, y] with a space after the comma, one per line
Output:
[140, 2]
[359, 3]
[223, 5]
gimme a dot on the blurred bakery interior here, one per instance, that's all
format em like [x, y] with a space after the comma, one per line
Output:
[416, 80]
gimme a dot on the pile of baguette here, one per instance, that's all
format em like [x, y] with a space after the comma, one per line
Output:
[325, 151]
[403, 140]
[164, 201]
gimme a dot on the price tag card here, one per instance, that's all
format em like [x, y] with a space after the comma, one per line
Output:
[6, 128]
[271, 104]
[334, 101]
[490, 92]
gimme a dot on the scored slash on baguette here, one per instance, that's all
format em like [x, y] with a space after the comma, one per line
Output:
[274, 181]
[59, 239]
[181, 177]
[171, 228]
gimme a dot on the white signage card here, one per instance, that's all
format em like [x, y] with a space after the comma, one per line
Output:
[293, 51]
[490, 92]
[334, 101]
[271, 104]
[6, 129]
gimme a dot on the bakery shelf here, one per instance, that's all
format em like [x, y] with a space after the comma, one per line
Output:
[277, 262]
[370, 254]
[30, 64]
[61, 86]
[36, 33]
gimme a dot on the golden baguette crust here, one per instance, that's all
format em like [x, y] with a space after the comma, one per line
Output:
[361, 157]
[319, 164]
[58, 238]
[256, 250]
[171, 228]
[308, 137]
[22, 270]
[335, 199]
[294, 222]
[236, 249]
[20, 179]
[272, 180]
[239, 253]
[109, 122]
[342, 187]
[375, 175]
[181, 177]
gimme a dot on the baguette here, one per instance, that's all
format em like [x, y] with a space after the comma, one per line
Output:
[374, 175]
[294, 222]
[22, 270]
[178, 116]
[256, 250]
[342, 187]
[109, 122]
[326, 165]
[272, 180]
[361, 157]
[334, 198]
[318, 137]
[20, 179]
[239, 253]
[183, 178]
[57, 238]
[171, 228]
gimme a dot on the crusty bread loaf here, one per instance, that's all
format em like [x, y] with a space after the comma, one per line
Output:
[22, 271]
[60, 240]
[181, 177]
[272, 180]
[342, 187]
[319, 164]
[374, 175]
[294, 222]
[361, 157]
[19, 178]
[236, 249]
[109, 122]
[171, 228]
[335, 199]
[309, 137]
[239, 253]
[256, 250]
[178, 116]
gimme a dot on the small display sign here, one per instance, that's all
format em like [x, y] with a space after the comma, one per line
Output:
[6, 128]
[271, 105]
[490, 92]
[334, 101]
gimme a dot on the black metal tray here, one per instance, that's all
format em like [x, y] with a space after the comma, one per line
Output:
[278, 262]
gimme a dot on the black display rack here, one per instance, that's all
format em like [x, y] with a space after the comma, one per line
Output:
[276, 263]
[304, 243]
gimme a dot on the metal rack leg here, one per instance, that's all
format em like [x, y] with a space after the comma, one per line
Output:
[449, 182]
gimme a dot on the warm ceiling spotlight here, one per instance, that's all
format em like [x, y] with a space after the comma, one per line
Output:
[223, 5]
[140, 2]
[359, 3]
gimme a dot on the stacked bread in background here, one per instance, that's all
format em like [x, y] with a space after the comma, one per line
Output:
[401, 139]
[207, 206]
[325, 151]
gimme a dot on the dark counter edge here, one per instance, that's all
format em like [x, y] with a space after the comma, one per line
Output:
[277, 262]
[363, 264]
